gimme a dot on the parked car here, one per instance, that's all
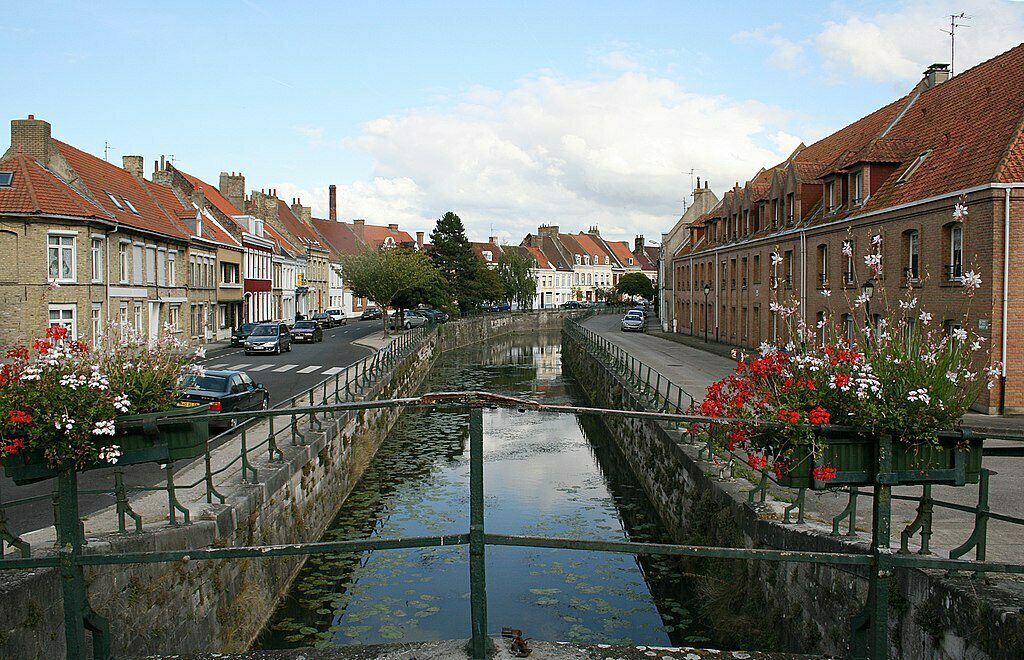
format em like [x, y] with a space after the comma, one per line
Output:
[633, 321]
[409, 319]
[225, 391]
[324, 319]
[337, 316]
[308, 331]
[371, 314]
[501, 307]
[269, 338]
[435, 315]
[572, 304]
[241, 333]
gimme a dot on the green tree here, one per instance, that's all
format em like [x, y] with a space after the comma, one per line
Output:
[452, 254]
[636, 284]
[433, 292]
[483, 286]
[384, 275]
[515, 267]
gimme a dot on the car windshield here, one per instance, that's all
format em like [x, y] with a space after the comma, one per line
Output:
[634, 316]
[265, 331]
[246, 327]
[206, 383]
[305, 324]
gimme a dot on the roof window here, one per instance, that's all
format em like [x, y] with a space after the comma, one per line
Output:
[5, 179]
[116, 202]
[907, 173]
[131, 206]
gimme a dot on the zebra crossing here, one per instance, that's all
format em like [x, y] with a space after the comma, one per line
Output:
[283, 368]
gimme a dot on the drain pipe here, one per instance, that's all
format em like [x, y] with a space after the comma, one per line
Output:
[1006, 277]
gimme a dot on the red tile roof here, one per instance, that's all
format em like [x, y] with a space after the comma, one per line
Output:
[213, 195]
[538, 254]
[480, 248]
[340, 237]
[296, 227]
[376, 235]
[36, 190]
[621, 251]
[104, 180]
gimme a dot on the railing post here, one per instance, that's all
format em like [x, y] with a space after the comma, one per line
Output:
[477, 576]
[871, 626]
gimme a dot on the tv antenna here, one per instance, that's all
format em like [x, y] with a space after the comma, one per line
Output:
[106, 150]
[692, 173]
[954, 23]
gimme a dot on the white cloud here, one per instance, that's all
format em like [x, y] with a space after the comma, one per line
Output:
[620, 61]
[575, 153]
[314, 134]
[785, 54]
[897, 46]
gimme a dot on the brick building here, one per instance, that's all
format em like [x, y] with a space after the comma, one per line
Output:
[891, 178]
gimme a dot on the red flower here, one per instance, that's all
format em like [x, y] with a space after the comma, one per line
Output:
[42, 346]
[20, 417]
[781, 469]
[13, 446]
[823, 473]
[818, 415]
[19, 353]
[791, 416]
[56, 332]
[757, 462]
[841, 380]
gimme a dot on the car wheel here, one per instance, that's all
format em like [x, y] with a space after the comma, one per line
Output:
[266, 403]
[289, 347]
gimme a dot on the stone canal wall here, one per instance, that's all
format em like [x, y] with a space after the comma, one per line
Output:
[803, 608]
[221, 605]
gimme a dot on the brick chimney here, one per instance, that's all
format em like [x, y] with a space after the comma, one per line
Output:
[419, 240]
[535, 240]
[32, 137]
[551, 231]
[638, 243]
[935, 74]
[198, 198]
[493, 240]
[357, 226]
[393, 227]
[332, 202]
[133, 165]
[232, 186]
[594, 231]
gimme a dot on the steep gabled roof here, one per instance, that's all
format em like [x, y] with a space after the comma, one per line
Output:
[480, 248]
[107, 183]
[38, 191]
[297, 228]
[538, 254]
[622, 252]
[340, 237]
[377, 235]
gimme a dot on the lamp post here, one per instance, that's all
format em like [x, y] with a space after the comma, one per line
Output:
[707, 292]
[867, 290]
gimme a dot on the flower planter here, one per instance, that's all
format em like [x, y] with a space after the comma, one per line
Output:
[855, 459]
[159, 437]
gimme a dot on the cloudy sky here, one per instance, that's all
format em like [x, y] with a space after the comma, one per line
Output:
[511, 114]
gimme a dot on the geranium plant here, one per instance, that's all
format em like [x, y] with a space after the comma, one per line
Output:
[898, 373]
[61, 399]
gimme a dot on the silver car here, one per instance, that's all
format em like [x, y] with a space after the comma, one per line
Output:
[633, 321]
[409, 319]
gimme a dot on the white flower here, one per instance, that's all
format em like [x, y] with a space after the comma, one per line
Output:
[103, 427]
[908, 304]
[201, 353]
[31, 373]
[925, 317]
[861, 299]
[952, 377]
[110, 454]
[847, 248]
[826, 292]
[65, 423]
[53, 284]
[959, 334]
[972, 282]
[776, 258]
[959, 211]
[873, 261]
[919, 395]
[876, 240]
[121, 403]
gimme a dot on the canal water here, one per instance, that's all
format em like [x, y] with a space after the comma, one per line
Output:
[545, 474]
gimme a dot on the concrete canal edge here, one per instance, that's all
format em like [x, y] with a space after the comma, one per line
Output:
[222, 605]
[801, 608]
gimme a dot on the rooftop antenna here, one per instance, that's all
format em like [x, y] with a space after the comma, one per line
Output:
[953, 25]
[692, 172]
[106, 150]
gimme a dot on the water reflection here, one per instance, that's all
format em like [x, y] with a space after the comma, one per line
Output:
[545, 474]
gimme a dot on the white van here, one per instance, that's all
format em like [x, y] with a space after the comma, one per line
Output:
[337, 316]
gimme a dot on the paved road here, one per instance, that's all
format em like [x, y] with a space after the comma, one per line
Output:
[283, 375]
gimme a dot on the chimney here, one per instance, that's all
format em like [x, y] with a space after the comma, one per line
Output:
[296, 208]
[306, 214]
[333, 202]
[419, 241]
[198, 197]
[393, 227]
[232, 186]
[935, 74]
[31, 137]
[133, 165]
[493, 240]
[638, 243]
[357, 226]
[534, 240]
[551, 231]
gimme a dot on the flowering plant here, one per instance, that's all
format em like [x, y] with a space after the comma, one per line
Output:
[61, 398]
[899, 373]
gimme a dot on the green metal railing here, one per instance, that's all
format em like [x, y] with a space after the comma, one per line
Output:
[870, 628]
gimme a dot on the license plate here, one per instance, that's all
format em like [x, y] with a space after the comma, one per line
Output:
[187, 404]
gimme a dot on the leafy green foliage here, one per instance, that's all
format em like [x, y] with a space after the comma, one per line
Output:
[635, 284]
[452, 254]
[515, 266]
[384, 275]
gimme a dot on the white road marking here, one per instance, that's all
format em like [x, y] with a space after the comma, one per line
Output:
[261, 367]
[218, 366]
[239, 367]
[310, 369]
[286, 367]
[333, 370]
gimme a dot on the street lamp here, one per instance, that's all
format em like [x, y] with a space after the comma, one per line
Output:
[707, 292]
[866, 291]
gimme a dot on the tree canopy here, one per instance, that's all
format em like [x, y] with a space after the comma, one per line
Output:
[384, 275]
[452, 254]
[637, 285]
[515, 270]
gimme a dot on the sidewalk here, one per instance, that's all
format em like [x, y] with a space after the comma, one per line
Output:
[693, 369]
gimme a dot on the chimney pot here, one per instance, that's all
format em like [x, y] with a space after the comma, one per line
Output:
[493, 240]
[133, 165]
[419, 240]
[935, 74]
[333, 202]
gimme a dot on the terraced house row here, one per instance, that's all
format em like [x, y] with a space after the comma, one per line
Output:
[85, 243]
[886, 184]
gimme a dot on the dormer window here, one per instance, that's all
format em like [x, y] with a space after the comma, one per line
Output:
[577, 259]
[256, 226]
[116, 202]
[909, 172]
[488, 255]
[857, 186]
[630, 260]
[5, 179]
[831, 195]
[606, 261]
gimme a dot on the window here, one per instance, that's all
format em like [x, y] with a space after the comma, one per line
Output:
[822, 327]
[229, 273]
[63, 315]
[151, 265]
[122, 315]
[955, 267]
[5, 179]
[830, 194]
[907, 173]
[787, 269]
[630, 260]
[848, 270]
[137, 257]
[173, 312]
[161, 268]
[172, 265]
[138, 317]
[857, 186]
[116, 202]
[122, 255]
[97, 259]
[913, 244]
[130, 205]
[823, 266]
[61, 258]
[790, 207]
[757, 269]
[96, 318]
[488, 256]
[848, 326]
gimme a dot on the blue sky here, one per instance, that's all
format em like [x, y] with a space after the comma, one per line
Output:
[512, 114]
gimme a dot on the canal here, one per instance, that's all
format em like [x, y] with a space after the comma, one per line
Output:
[545, 474]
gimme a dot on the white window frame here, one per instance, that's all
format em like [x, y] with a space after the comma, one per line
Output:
[137, 319]
[857, 186]
[61, 247]
[172, 266]
[914, 254]
[70, 323]
[138, 263]
[96, 321]
[124, 261]
[96, 249]
[956, 230]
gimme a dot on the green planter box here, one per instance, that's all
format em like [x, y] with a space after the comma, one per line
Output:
[855, 458]
[151, 438]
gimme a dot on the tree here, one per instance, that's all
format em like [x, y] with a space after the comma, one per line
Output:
[484, 285]
[384, 275]
[433, 292]
[637, 285]
[451, 253]
[515, 267]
